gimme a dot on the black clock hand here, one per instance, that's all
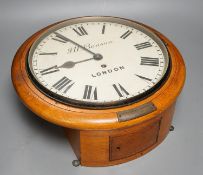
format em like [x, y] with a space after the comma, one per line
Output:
[67, 64]
[67, 39]
[71, 64]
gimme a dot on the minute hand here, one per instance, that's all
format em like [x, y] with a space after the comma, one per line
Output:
[67, 39]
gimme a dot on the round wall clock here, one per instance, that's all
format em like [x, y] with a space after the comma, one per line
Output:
[112, 83]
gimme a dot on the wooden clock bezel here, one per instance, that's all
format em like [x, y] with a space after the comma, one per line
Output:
[94, 119]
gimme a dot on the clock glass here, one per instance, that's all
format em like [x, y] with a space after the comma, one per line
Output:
[98, 62]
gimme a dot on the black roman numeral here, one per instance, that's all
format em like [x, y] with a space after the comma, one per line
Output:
[80, 31]
[49, 70]
[103, 29]
[147, 61]
[126, 34]
[48, 53]
[143, 45]
[144, 78]
[63, 83]
[90, 92]
[60, 38]
[120, 90]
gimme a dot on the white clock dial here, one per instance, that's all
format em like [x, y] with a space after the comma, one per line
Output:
[97, 63]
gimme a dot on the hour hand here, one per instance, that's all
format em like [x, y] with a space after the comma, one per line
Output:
[71, 64]
[68, 65]
[55, 68]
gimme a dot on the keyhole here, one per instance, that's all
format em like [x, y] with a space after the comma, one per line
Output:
[103, 65]
[118, 148]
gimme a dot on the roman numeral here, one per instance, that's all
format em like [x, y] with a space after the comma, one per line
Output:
[147, 61]
[103, 29]
[50, 53]
[144, 78]
[126, 34]
[49, 70]
[59, 38]
[90, 92]
[143, 45]
[80, 31]
[120, 90]
[64, 83]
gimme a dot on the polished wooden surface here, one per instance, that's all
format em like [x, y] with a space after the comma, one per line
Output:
[131, 143]
[96, 135]
[111, 147]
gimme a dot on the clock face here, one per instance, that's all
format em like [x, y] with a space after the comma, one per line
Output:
[98, 62]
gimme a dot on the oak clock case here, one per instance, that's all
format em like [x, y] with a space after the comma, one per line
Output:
[111, 83]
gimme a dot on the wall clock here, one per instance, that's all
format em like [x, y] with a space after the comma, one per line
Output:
[112, 83]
